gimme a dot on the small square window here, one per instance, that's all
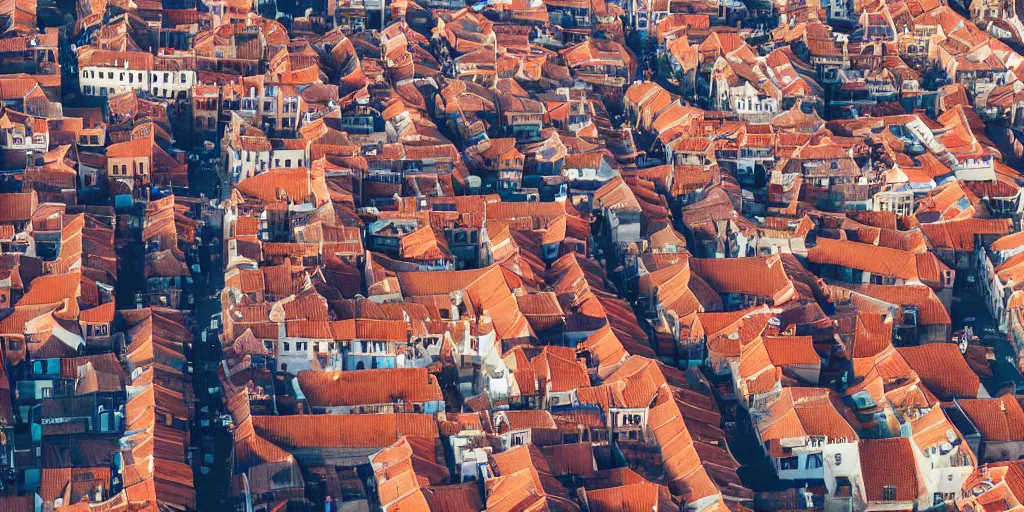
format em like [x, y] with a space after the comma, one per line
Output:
[889, 493]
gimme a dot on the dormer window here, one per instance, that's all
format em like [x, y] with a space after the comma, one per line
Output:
[889, 493]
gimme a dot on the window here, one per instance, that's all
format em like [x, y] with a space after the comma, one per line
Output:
[287, 346]
[889, 493]
[302, 346]
[183, 79]
[789, 463]
[46, 392]
[814, 461]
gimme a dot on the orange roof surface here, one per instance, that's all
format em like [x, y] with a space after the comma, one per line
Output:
[943, 370]
[925, 268]
[791, 350]
[368, 387]
[889, 463]
[930, 309]
[802, 412]
[997, 419]
[343, 430]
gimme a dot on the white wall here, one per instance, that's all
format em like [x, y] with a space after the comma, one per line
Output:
[92, 79]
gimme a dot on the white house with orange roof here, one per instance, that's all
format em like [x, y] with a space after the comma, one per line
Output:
[943, 457]
[799, 427]
[106, 72]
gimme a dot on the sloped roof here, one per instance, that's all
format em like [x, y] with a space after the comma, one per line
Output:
[943, 370]
[368, 387]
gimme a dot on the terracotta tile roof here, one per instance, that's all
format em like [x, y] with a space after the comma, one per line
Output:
[487, 289]
[639, 380]
[105, 363]
[54, 482]
[524, 419]
[943, 370]
[17, 207]
[309, 329]
[634, 497]
[561, 373]
[1003, 485]
[571, 459]
[142, 147]
[930, 309]
[959, 235]
[49, 289]
[519, 458]
[997, 419]
[523, 490]
[401, 473]
[605, 347]
[370, 329]
[933, 430]
[925, 268]
[100, 314]
[688, 178]
[1009, 242]
[682, 464]
[791, 350]
[463, 497]
[763, 277]
[889, 462]
[801, 412]
[540, 303]
[369, 387]
[343, 430]
[299, 185]
[424, 244]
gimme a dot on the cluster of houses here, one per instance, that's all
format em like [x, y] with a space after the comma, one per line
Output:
[523, 255]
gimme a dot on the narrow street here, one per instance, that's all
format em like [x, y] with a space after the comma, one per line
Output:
[968, 309]
[214, 441]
